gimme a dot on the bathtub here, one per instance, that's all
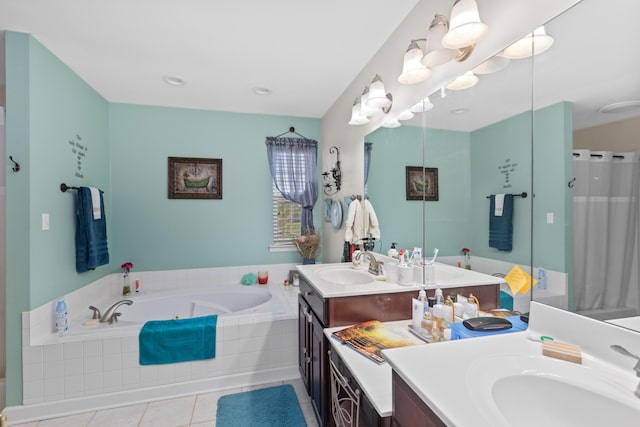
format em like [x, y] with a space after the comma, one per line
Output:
[223, 300]
[98, 367]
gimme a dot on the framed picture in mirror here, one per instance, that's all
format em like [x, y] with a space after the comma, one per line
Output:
[195, 178]
[422, 183]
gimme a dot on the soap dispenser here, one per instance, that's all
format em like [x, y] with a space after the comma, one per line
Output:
[393, 252]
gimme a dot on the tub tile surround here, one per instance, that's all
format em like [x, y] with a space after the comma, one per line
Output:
[64, 375]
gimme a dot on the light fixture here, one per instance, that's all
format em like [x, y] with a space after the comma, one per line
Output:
[356, 117]
[391, 123]
[492, 65]
[422, 106]
[464, 81]
[405, 115]
[377, 95]
[435, 54]
[364, 99]
[333, 177]
[173, 80]
[465, 27]
[258, 90]
[620, 107]
[413, 71]
[533, 43]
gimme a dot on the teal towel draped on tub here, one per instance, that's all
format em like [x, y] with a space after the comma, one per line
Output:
[181, 340]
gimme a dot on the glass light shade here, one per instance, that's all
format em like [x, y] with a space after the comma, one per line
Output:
[435, 54]
[412, 69]
[356, 117]
[465, 27]
[422, 106]
[492, 65]
[377, 94]
[532, 44]
[464, 81]
[364, 109]
[405, 115]
[392, 123]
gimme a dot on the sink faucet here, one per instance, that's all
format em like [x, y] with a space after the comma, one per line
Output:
[375, 267]
[620, 349]
[110, 315]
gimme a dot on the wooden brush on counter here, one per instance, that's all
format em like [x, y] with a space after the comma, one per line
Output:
[563, 351]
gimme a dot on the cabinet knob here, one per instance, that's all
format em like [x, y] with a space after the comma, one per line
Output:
[307, 293]
[308, 360]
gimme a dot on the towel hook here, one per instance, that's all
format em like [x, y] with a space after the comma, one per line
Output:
[16, 167]
[570, 184]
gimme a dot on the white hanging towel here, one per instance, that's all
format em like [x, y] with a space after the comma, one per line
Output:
[371, 225]
[95, 203]
[499, 205]
[354, 223]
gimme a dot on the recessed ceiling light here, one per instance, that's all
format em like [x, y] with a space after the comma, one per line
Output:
[460, 111]
[173, 80]
[261, 90]
[620, 107]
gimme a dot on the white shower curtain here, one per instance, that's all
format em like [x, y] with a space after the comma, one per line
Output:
[605, 216]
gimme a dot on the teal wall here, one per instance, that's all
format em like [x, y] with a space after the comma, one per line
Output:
[446, 220]
[47, 105]
[501, 163]
[124, 152]
[157, 233]
[553, 142]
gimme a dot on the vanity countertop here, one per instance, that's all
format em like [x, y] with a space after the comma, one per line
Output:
[374, 379]
[456, 277]
[453, 377]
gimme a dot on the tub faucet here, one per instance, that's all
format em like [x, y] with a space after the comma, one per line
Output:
[375, 267]
[110, 315]
[620, 349]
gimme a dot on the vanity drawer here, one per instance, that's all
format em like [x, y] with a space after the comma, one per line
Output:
[315, 301]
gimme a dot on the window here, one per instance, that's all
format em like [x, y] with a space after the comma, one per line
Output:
[294, 188]
[286, 214]
[286, 219]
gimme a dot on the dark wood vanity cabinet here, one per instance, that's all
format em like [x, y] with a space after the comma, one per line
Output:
[369, 416]
[408, 409]
[316, 313]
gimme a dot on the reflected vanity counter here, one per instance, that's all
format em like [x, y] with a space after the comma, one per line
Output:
[627, 322]
[341, 279]
[505, 380]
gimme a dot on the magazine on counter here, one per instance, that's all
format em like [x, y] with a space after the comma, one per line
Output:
[371, 337]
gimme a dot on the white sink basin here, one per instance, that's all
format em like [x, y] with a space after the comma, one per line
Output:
[530, 391]
[345, 276]
[444, 274]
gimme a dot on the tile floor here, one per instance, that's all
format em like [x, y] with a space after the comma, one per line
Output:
[191, 411]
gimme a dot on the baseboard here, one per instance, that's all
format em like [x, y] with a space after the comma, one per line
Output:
[60, 408]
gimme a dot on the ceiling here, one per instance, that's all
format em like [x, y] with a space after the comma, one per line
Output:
[592, 63]
[307, 53]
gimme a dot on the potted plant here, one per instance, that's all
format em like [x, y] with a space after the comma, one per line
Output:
[308, 245]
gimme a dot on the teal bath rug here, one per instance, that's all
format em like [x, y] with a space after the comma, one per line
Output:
[272, 406]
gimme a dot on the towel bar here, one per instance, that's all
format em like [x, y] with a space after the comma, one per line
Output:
[523, 195]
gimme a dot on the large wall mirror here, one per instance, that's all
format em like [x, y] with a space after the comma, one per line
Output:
[525, 129]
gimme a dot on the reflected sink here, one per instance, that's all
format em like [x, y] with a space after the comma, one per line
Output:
[530, 391]
[444, 274]
[345, 276]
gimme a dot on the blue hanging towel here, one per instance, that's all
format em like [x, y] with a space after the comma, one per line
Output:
[91, 234]
[501, 227]
[173, 341]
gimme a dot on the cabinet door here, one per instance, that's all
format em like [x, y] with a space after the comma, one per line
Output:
[319, 373]
[304, 341]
